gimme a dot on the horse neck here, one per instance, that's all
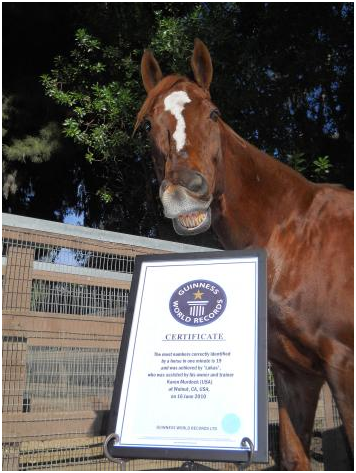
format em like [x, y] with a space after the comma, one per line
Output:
[258, 194]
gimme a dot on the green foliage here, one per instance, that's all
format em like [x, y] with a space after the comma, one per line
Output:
[317, 169]
[35, 148]
[297, 161]
[321, 168]
[7, 111]
[105, 195]
[102, 113]
[172, 42]
[29, 148]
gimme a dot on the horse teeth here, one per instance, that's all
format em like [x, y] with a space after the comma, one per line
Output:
[192, 220]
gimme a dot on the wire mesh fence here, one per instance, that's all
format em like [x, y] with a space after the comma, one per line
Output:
[79, 299]
[65, 292]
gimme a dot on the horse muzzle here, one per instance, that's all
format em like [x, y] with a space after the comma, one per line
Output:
[190, 214]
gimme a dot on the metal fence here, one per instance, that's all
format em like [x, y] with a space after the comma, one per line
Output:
[65, 292]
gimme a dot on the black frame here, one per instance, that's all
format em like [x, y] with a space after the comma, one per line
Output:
[260, 455]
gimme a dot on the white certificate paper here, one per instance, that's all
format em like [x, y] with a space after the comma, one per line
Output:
[190, 376]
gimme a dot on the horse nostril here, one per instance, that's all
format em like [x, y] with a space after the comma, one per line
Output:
[193, 181]
[197, 184]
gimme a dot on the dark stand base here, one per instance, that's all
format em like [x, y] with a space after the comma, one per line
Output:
[192, 466]
[188, 465]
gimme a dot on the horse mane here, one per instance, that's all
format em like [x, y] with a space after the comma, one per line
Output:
[228, 128]
[163, 86]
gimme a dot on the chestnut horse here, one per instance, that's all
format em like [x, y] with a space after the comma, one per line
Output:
[211, 176]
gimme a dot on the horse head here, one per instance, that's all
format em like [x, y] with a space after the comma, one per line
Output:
[184, 127]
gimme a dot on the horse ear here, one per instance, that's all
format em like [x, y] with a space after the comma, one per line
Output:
[202, 65]
[150, 71]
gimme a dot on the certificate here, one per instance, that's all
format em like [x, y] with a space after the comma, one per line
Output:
[191, 378]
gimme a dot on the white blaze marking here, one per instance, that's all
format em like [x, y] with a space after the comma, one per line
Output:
[175, 103]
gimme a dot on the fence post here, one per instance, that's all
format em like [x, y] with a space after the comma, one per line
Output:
[17, 299]
[18, 278]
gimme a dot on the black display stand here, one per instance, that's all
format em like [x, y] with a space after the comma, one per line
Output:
[157, 281]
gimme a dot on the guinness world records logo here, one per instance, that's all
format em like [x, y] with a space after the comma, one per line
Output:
[198, 302]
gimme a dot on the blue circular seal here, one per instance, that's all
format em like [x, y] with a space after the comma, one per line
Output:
[198, 302]
[231, 423]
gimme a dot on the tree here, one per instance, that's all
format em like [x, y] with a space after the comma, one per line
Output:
[38, 177]
[282, 78]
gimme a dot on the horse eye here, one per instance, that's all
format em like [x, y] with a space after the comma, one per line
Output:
[215, 114]
[147, 126]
